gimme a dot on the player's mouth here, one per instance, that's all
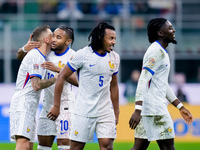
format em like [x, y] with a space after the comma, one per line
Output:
[111, 48]
[53, 45]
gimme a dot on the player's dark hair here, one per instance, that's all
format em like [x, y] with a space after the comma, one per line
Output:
[153, 27]
[38, 31]
[69, 31]
[97, 35]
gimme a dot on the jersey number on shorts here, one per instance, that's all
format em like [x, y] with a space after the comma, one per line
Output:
[64, 125]
[50, 75]
[101, 81]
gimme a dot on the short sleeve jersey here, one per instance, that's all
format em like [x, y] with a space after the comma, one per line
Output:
[59, 60]
[95, 74]
[25, 98]
[156, 61]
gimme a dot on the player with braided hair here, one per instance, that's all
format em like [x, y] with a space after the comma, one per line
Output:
[96, 107]
[151, 119]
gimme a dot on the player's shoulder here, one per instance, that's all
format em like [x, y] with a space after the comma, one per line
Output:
[115, 55]
[155, 49]
[84, 50]
[34, 53]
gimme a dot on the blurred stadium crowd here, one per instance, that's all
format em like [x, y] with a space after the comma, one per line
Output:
[130, 17]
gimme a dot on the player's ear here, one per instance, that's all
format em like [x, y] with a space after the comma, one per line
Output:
[46, 40]
[68, 41]
[160, 33]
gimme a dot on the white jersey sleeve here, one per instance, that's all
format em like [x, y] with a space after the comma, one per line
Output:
[155, 73]
[77, 60]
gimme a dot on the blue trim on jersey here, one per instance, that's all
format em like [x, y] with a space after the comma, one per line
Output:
[151, 71]
[62, 53]
[161, 46]
[35, 75]
[71, 67]
[40, 52]
[115, 73]
[100, 54]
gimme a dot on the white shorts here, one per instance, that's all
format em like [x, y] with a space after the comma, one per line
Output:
[60, 127]
[23, 124]
[63, 124]
[45, 126]
[155, 128]
[83, 128]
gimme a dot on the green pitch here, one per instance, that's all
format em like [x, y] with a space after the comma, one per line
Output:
[117, 146]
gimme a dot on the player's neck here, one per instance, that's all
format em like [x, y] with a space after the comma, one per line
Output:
[164, 44]
[44, 49]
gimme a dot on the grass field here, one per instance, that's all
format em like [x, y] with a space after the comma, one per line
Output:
[117, 146]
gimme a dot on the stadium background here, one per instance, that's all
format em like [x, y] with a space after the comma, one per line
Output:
[19, 17]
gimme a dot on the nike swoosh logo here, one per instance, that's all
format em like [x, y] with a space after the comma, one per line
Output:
[62, 133]
[92, 65]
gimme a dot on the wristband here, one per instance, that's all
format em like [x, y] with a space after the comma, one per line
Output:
[179, 105]
[139, 107]
[23, 49]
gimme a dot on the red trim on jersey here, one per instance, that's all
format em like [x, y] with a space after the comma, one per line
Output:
[149, 83]
[27, 78]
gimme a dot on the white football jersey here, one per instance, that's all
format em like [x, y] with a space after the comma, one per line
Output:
[25, 98]
[59, 60]
[93, 98]
[156, 61]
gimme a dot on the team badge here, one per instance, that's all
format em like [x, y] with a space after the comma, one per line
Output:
[76, 132]
[36, 66]
[60, 65]
[28, 130]
[151, 62]
[111, 65]
[170, 129]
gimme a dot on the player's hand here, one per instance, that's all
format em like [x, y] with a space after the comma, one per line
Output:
[53, 113]
[187, 116]
[31, 44]
[135, 119]
[50, 66]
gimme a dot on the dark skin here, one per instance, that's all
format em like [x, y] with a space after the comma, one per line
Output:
[166, 35]
[60, 42]
[104, 143]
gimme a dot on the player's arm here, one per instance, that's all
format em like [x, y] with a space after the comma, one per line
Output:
[39, 84]
[51, 66]
[64, 74]
[143, 81]
[187, 116]
[114, 91]
[26, 48]
[72, 79]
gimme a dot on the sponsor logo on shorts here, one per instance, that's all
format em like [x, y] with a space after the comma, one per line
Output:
[76, 132]
[28, 130]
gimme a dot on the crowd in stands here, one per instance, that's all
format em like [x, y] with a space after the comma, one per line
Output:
[74, 8]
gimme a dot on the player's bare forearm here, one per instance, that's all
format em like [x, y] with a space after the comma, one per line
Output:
[114, 92]
[65, 73]
[21, 54]
[39, 84]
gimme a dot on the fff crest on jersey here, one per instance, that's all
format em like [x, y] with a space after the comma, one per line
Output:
[151, 62]
[111, 65]
[60, 64]
[35, 66]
